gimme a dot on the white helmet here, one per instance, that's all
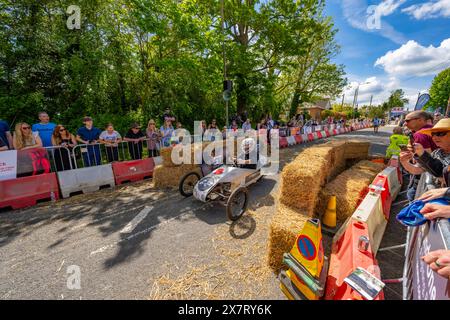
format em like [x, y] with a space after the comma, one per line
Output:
[248, 145]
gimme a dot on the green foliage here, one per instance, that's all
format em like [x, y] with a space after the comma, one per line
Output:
[133, 59]
[440, 91]
[396, 100]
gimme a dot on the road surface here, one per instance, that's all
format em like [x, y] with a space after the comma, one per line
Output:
[135, 242]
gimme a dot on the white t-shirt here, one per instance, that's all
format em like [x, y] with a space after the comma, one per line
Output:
[110, 137]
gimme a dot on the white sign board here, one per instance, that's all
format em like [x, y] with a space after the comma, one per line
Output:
[8, 165]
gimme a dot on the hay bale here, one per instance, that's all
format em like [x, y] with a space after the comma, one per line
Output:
[357, 149]
[169, 177]
[166, 155]
[285, 226]
[350, 187]
[302, 179]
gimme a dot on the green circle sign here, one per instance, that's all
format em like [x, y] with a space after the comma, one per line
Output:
[227, 95]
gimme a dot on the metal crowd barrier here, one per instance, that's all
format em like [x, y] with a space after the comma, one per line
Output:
[419, 281]
[100, 153]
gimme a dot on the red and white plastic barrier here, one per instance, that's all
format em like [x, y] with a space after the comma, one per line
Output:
[133, 171]
[26, 192]
[356, 243]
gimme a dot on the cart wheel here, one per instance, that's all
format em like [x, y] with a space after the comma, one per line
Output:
[187, 184]
[237, 204]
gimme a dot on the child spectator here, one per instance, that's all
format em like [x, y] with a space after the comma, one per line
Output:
[397, 139]
[111, 139]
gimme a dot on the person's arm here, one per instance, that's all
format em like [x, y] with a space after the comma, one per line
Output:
[74, 140]
[431, 165]
[38, 144]
[405, 158]
[79, 139]
[10, 138]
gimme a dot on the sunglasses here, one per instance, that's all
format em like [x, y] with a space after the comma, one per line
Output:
[26, 128]
[439, 134]
[62, 130]
[152, 124]
[409, 120]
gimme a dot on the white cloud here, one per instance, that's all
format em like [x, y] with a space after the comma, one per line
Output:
[378, 89]
[356, 14]
[429, 10]
[388, 7]
[413, 59]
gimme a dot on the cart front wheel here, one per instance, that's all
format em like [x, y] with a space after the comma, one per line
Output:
[237, 204]
[187, 184]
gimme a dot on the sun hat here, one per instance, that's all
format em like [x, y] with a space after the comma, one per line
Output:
[442, 126]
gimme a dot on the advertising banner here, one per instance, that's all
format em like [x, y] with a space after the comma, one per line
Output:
[8, 165]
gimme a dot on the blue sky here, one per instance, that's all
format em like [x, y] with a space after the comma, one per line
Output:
[398, 44]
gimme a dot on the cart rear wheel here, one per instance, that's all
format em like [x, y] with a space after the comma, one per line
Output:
[237, 204]
[187, 184]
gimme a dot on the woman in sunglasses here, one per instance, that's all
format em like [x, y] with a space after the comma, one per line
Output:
[439, 159]
[24, 137]
[63, 156]
[154, 138]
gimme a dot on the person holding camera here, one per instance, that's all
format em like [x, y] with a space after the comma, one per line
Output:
[435, 162]
[415, 122]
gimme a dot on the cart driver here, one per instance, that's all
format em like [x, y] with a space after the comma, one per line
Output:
[245, 160]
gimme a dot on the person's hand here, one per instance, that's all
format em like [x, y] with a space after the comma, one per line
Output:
[418, 149]
[433, 194]
[433, 211]
[439, 261]
[406, 156]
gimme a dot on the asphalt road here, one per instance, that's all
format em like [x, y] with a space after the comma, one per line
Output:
[135, 242]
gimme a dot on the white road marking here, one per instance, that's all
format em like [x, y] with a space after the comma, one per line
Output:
[138, 219]
[184, 212]
[62, 263]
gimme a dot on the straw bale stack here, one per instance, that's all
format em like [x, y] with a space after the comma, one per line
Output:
[357, 149]
[169, 177]
[286, 224]
[349, 187]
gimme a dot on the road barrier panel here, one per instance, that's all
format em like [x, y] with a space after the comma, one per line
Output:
[283, 142]
[320, 135]
[350, 249]
[27, 191]
[370, 212]
[298, 139]
[133, 171]
[85, 180]
[291, 141]
[310, 137]
[391, 173]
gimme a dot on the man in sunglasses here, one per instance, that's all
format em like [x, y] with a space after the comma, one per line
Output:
[439, 159]
[415, 122]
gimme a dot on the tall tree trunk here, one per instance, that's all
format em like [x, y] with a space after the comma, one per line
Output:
[294, 104]
[241, 92]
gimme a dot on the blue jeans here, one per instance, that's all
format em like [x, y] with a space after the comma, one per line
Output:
[411, 194]
[92, 157]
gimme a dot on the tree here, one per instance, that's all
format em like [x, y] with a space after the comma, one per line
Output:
[440, 91]
[396, 100]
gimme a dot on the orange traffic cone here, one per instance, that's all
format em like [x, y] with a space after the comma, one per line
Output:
[329, 218]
